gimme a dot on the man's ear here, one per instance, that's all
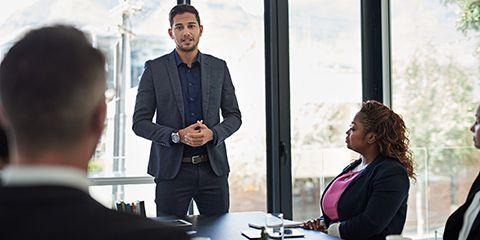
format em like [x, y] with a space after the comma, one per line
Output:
[201, 30]
[371, 138]
[170, 33]
[99, 118]
[3, 118]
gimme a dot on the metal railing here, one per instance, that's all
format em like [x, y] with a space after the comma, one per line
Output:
[102, 181]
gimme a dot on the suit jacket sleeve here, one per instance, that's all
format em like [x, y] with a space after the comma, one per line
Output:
[389, 191]
[145, 107]
[232, 118]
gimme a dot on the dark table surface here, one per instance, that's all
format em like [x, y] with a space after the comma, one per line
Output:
[230, 226]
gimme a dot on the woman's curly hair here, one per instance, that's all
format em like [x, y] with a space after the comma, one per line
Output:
[391, 133]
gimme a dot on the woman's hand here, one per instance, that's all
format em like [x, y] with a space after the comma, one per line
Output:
[315, 224]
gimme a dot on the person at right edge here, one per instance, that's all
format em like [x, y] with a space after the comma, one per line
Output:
[464, 223]
[368, 199]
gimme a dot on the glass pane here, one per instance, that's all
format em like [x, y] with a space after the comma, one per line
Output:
[238, 38]
[144, 41]
[325, 81]
[232, 31]
[435, 88]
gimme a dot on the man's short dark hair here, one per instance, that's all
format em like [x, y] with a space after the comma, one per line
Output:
[51, 81]
[183, 8]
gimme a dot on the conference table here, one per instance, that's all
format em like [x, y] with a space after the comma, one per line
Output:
[230, 226]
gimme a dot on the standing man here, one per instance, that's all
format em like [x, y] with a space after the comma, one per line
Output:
[187, 89]
[52, 84]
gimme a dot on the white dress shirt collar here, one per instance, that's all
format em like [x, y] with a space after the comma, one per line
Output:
[45, 175]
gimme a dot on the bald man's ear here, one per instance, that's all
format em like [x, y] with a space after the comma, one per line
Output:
[99, 118]
[3, 118]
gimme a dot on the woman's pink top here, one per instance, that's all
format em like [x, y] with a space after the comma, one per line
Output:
[333, 193]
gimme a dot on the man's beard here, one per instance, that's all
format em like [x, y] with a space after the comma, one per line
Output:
[189, 49]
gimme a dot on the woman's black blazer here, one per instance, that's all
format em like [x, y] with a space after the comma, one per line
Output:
[374, 204]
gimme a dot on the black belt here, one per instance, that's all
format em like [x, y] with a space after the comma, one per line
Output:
[195, 159]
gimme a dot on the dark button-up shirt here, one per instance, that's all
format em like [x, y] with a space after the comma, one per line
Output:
[191, 81]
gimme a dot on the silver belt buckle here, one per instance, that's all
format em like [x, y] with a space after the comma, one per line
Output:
[196, 159]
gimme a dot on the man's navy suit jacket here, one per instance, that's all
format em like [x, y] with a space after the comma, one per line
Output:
[374, 204]
[55, 212]
[455, 221]
[160, 91]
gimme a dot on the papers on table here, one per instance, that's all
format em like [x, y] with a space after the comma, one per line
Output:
[288, 233]
[286, 224]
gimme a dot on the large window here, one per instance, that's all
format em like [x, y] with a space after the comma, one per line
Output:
[234, 31]
[325, 81]
[131, 32]
[435, 88]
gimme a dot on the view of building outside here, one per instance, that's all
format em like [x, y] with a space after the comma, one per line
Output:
[435, 69]
[233, 31]
[326, 92]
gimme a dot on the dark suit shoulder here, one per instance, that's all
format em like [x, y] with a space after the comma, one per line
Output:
[63, 211]
[212, 59]
[384, 162]
[386, 167]
[129, 226]
[160, 59]
[455, 220]
[454, 223]
[170, 56]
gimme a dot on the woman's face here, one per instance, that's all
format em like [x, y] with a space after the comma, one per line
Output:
[475, 129]
[356, 136]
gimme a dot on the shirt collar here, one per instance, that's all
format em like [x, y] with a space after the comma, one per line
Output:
[178, 61]
[360, 167]
[45, 175]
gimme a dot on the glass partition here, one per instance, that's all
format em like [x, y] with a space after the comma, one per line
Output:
[435, 88]
[325, 93]
[234, 31]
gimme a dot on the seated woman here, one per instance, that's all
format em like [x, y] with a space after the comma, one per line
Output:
[368, 199]
[464, 223]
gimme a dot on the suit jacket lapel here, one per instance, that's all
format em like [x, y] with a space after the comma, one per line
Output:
[206, 75]
[175, 83]
[362, 173]
[346, 169]
[475, 228]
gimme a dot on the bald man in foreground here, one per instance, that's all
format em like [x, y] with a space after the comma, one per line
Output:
[52, 84]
